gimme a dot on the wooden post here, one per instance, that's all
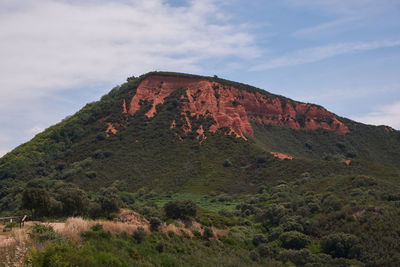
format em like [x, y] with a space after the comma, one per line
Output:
[22, 223]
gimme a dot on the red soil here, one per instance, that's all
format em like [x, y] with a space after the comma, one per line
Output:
[110, 129]
[389, 129]
[104, 118]
[124, 110]
[231, 107]
[281, 155]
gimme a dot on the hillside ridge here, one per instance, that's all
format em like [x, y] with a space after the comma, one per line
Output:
[229, 105]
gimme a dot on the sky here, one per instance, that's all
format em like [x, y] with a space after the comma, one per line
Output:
[58, 55]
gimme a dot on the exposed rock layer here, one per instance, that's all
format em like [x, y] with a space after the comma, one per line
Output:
[231, 107]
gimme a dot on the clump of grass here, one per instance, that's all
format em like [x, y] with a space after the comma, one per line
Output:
[74, 227]
[118, 227]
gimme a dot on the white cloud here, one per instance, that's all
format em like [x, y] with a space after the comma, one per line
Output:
[343, 22]
[346, 8]
[4, 138]
[344, 15]
[314, 54]
[50, 45]
[383, 115]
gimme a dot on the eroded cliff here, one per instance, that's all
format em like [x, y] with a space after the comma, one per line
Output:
[229, 106]
[233, 108]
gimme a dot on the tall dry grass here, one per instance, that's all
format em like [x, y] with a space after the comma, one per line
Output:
[15, 247]
[72, 228]
[75, 226]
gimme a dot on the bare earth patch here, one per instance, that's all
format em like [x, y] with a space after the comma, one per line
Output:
[281, 155]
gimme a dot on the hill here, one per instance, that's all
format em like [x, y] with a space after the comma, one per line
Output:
[247, 157]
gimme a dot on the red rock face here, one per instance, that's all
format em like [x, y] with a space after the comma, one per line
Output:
[110, 129]
[281, 155]
[231, 107]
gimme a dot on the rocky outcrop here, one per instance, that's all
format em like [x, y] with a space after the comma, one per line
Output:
[231, 107]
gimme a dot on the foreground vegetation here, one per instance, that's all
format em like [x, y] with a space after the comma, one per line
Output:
[337, 221]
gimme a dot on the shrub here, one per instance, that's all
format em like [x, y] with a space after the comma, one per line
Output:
[298, 257]
[340, 245]
[331, 203]
[101, 136]
[139, 235]
[196, 233]
[41, 233]
[266, 251]
[109, 200]
[274, 213]
[95, 210]
[91, 174]
[301, 119]
[259, 239]
[97, 227]
[208, 233]
[227, 163]
[180, 209]
[254, 256]
[155, 224]
[160, 247]
[275, 233]
[291, 224]
[294, 240]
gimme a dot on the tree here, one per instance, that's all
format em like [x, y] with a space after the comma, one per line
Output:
[180, 209]
[208, 233]
[154, 224]
[109, 200]
[294, 240]
[74, 201]
[36, 200]
[139, 235]
[340, 245]
[259, 239]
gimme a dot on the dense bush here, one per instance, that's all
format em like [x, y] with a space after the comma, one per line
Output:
[109, 200]
[180, 209]
[298, 257]
[36, 200]
[259, 239]
[74, 201]
[154, 224]
[341, 245]
[294, 240]
[208, 233]
[43, 233]
[139, 235]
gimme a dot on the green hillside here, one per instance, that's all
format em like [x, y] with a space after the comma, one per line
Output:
[316, 198]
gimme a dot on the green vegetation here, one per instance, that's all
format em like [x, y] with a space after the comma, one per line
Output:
[314, 209]
[284, 223]
[180, 209]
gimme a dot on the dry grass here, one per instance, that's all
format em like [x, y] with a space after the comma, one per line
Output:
[14, 247]
[119, 227]
[75, 226]
[178, 230]
[72, 228]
